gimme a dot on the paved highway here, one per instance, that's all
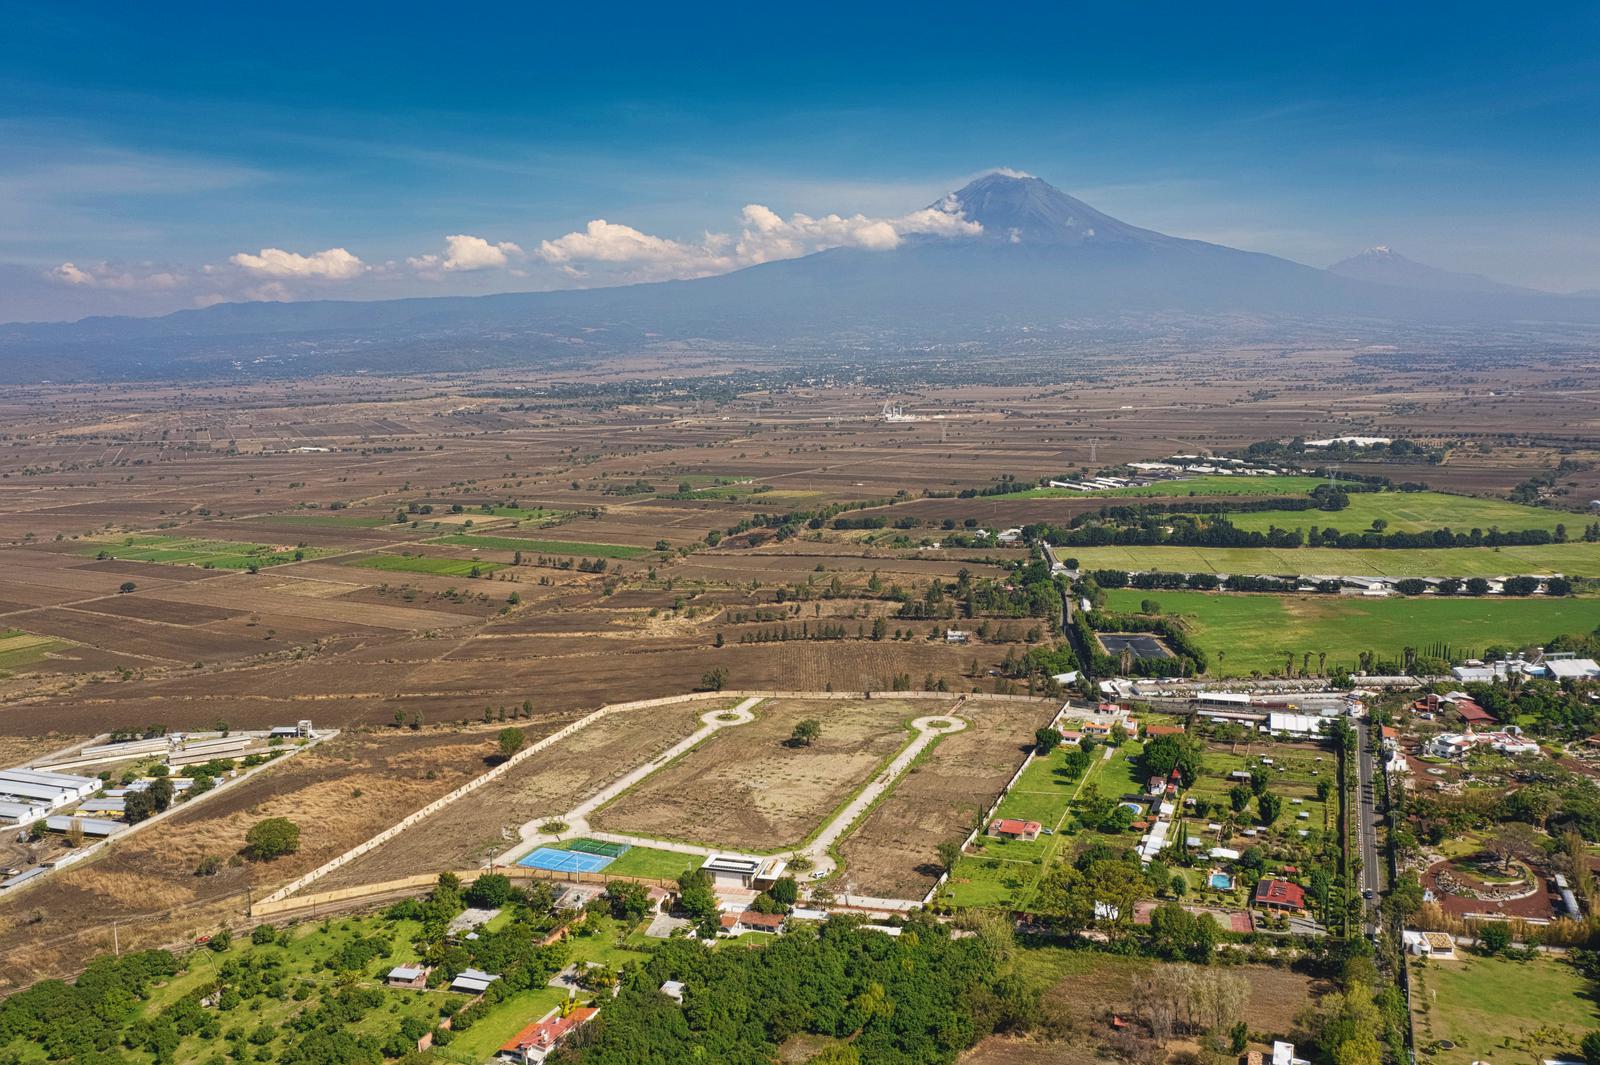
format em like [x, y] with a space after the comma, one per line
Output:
[1367, 823]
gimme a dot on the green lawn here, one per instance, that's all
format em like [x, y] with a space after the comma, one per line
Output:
[1208, 485]
[1572, 559]
[1006, 872]
[1242, 633]
[191, 551]
[1041, 793]
[1493, 1009]
[480, 1042]
[1414, 512]
[541, 547]
[438, 567]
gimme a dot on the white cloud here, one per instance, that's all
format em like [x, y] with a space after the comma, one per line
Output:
[71, 275]
[334, 264]
[763, 237]
[1006, 171]
[464, 253]
[105, 275]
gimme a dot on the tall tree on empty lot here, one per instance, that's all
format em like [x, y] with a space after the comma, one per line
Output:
[806, 732]
[511, 741]
[949, 853]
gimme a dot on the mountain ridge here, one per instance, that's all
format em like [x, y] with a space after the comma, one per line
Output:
[1045, 264]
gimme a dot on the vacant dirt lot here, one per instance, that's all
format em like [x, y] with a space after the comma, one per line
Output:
[1090, 988]
[891, 854]
[551, 782]
[340, 792]
[747, 787]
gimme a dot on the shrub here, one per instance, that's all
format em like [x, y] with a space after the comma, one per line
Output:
[272, 838]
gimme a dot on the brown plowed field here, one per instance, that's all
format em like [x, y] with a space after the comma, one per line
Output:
[748, 788]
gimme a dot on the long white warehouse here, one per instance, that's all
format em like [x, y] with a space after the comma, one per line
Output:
[84, 786]
[21, 813]
[51, 794]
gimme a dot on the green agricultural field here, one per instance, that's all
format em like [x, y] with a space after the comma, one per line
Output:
[1494, 1009]
[1415, 512]
[1244, 633]
[438, 567]
[1209, 485]
[188, 551]
[1572, 559]
[541, 547]
[23, 650]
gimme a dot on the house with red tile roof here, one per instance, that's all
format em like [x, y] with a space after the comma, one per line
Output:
[1282, 895]
[1012, 828]
[751, 921]
[538, 1041]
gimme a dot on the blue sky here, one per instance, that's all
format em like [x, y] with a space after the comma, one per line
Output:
[177, 155]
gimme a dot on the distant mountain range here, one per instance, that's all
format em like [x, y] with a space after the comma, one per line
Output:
[1388, 267]
[1045, 264]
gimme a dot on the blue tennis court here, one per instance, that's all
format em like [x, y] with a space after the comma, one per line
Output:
[565, 861]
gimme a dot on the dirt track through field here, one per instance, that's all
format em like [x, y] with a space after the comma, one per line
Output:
[487, 821]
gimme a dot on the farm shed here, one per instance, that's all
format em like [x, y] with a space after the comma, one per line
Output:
[80, 786]
[473, 981]
[21, 813]
[91, 826]
[409, 976]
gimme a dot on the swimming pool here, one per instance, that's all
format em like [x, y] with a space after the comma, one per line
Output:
[1221, 881]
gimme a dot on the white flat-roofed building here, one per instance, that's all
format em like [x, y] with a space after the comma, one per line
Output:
[51, 795]
[21, 813]
[82, 786]
[473, 981]
[1295, 724]
[90, 826]
[733, 870]
[1572, 668]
